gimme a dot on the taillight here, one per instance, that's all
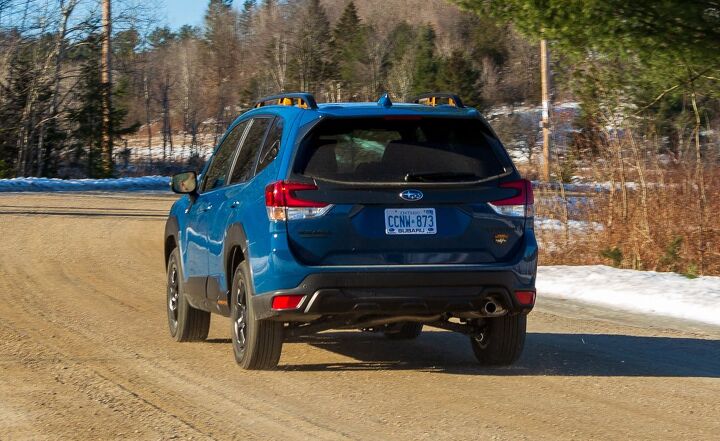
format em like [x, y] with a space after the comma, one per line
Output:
[520, 205]
[283, 203]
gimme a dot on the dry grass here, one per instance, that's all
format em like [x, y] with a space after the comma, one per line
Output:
[664, 229]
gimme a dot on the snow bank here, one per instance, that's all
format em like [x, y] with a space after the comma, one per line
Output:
[648, 292]
[120, 184]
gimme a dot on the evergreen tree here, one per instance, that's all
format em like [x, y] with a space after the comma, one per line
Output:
[399, 63]
[245, 18]
[13, 99]
[458, 75]
[400, 40]
[126, 43]
[161, 37]
[426, 63]
[349, 40]
[51, 141]
[661, 45]
[222, 58]
[219, 6]
[484, 37]
[85, 118]
[188, 32]
[312, 60]
[217, 23]
[641, 26]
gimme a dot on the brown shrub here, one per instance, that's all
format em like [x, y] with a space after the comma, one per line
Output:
[662, 228]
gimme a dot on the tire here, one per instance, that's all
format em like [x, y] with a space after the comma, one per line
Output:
[185, 322]
[502, 341]
[257, 344]
[403, 331]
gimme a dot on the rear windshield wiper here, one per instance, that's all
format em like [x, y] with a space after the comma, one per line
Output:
[441, 177]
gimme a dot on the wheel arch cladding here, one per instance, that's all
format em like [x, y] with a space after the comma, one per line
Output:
[235, 252]
[171, 240]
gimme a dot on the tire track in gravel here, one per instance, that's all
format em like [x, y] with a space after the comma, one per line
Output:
[94, 389]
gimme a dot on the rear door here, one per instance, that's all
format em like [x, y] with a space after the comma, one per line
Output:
[407, 191]
[207, 204]
[234, 199]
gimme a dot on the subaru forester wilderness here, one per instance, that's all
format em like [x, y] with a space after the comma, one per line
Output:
[376, 216]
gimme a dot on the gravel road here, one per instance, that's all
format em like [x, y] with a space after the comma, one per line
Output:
[85, 354]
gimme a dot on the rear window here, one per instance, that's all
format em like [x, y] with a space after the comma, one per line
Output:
[399, 150]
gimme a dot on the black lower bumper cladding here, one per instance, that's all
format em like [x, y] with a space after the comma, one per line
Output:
[394, 294]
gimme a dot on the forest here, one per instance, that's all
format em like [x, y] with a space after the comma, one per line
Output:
[635, 87]
[176, 90]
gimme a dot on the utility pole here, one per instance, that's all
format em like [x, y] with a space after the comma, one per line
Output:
[106, 80]
[546, 107]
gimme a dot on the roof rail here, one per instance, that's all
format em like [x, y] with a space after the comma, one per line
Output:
[301, 99]
[431, 99]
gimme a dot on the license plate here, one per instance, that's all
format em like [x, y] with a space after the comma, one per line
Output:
[410, 221]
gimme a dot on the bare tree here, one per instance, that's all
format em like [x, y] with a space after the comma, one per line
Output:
[400, 78]
[106, 80]
[190, 93]
[66, 10]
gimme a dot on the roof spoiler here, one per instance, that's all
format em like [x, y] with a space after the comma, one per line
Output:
[436, 98]
[303, 100]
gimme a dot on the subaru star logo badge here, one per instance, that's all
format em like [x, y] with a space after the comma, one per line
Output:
[411, 195]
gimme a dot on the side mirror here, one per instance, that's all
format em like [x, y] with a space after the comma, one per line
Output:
[184, 183]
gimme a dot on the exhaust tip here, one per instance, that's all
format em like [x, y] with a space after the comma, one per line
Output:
[490, 307]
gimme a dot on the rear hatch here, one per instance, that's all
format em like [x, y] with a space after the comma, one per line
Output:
[401, 191]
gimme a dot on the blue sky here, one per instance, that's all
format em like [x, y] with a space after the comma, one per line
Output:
[180, 12]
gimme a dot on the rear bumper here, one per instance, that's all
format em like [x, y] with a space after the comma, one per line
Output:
[395, 293]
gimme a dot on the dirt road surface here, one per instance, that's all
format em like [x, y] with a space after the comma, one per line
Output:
[85, 354]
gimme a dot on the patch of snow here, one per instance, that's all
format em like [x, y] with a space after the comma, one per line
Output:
[52, 184]
[524, 109]
[568, 105]
[518, 155]
[576, 225]
[646, 292]
[584, 187]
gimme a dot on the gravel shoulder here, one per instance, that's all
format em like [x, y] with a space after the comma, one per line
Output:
[85, 354]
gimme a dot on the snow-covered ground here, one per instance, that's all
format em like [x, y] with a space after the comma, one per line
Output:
[647, 292]
[120, 184]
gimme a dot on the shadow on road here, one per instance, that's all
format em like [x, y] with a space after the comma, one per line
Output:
[218, 340]
[600, 355]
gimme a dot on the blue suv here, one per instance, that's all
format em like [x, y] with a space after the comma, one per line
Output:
[376, 216]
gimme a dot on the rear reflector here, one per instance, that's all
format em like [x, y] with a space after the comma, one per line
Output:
[520, 205]
[525, 298]
[287, 301]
